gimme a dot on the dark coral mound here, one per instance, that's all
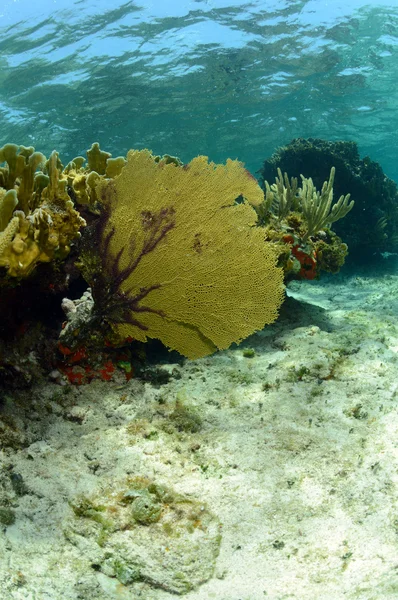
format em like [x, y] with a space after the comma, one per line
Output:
[372, 225]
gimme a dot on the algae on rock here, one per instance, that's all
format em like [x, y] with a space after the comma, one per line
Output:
[139, 531]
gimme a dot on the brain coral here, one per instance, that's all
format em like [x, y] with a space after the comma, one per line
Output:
[182, 260]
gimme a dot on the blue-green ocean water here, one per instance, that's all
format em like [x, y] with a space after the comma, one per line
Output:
[215, 77]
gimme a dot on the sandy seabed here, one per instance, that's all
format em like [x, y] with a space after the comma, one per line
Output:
[288, 443]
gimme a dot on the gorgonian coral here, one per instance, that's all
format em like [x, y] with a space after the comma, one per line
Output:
[181, 260]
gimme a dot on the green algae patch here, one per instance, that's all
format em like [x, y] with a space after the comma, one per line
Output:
[138, 531]
[7, 516]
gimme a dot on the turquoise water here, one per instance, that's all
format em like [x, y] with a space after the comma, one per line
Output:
[215, 77]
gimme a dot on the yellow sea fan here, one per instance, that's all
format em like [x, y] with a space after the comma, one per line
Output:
[184, 261]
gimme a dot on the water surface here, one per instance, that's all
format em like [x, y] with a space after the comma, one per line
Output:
[215, 77]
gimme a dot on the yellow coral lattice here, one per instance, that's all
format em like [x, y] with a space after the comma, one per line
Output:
[210, 279]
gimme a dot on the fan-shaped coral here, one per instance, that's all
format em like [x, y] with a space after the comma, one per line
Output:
[182, 261]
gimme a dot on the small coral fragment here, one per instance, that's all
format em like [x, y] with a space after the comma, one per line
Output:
[97, 159]
[114, 166]
[8, 202]
[7, 236]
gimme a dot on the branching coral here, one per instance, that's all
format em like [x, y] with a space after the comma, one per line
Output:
[84, 178]
[317, 206]
[300, 217]
[285, 196]
[182, 261]
[22, 163]
[37, 217]
[282, 195]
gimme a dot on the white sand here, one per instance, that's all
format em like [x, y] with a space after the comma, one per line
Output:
[297, 457]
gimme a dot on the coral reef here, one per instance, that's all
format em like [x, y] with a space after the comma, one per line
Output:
[372, 226]
[298, 219]
[192, 255]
